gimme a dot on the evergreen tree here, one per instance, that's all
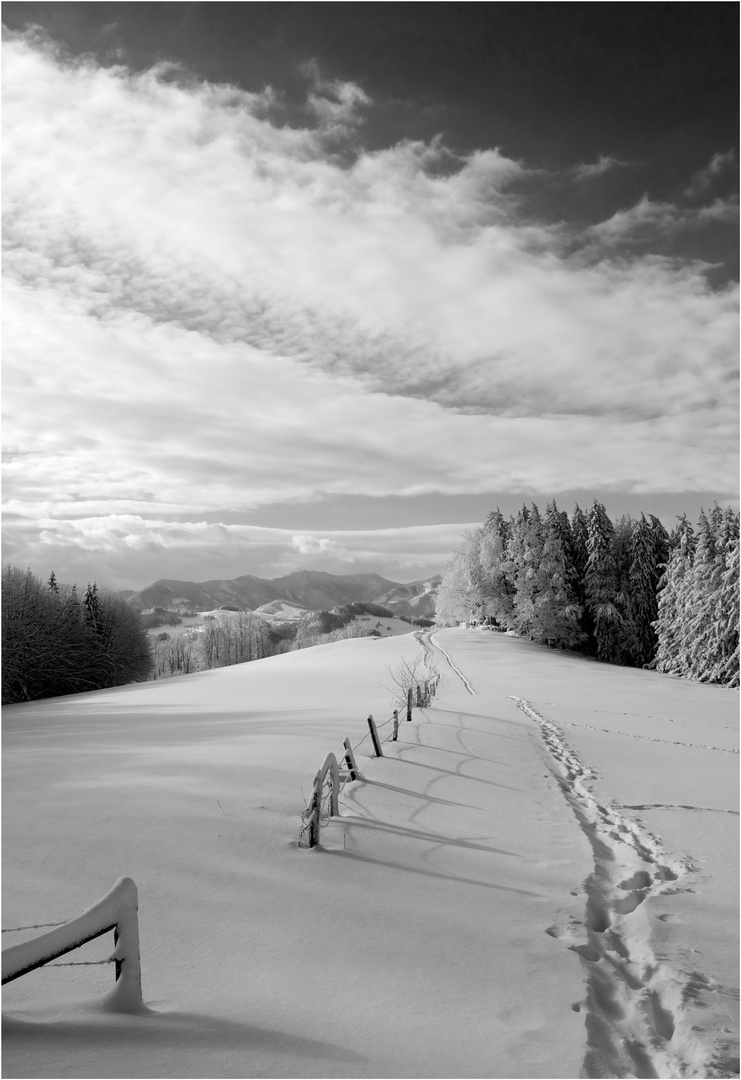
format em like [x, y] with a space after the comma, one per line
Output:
[706, 643]
[497, 572]
[649, 548]
[52, 644]
[625, 643]
[527, 551]
[556, 613]
[579, 538]
[91, 604]
[726, 616]
[601, 585]
[673, 588]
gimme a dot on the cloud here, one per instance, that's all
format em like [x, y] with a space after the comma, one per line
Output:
[334, 103]
[592, 170]
[131, 551]
[312, 545]
[209, 308]
[721, 164]
[652, 219]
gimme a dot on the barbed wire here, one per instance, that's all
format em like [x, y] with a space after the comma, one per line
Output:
[324, 808]
[36, 926]
[83, 963]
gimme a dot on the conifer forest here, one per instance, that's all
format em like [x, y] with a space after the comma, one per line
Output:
[55, 641]
[626, 592]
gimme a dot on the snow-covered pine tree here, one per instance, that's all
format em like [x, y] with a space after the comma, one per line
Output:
[527, 554]
[556, 613]
[711, 610]
[649, 548]
[580, 555]
[673, 589]
[726, 609]
[696, 638]
[622, 546]
[601, 585]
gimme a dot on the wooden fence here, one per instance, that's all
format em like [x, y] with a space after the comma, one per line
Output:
[420, 695]
[116, 912]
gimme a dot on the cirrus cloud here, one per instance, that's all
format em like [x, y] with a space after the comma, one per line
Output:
[209, 308]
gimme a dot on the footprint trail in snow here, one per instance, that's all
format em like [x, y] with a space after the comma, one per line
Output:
[636, 1017]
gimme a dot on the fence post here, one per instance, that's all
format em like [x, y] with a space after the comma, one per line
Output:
[117, 911]
[374, 736]
[315, 810]
[409, 703]
[350, 761]
[396, 725]
[126, 996]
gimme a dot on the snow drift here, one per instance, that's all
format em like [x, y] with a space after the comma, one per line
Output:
[537, 879]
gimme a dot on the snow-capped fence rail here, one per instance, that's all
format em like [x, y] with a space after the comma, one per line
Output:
[117, 912]
[313, 811]
[420, 694]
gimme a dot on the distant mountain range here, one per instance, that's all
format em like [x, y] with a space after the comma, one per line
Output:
[312, 589]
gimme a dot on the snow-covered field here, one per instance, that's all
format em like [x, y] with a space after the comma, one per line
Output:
[538, 880]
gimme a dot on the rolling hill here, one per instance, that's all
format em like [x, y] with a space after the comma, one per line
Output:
[312, 589]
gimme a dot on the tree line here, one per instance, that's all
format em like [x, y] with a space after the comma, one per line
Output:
[218, 641]
[236, 637]
[627, 592]
[55, 641]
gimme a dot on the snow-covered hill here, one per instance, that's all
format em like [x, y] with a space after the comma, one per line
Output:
[312, 589]
[538, 880]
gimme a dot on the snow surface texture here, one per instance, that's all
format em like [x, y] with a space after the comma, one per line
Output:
[539, 879]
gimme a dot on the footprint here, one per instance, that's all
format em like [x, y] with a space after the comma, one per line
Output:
[598, 917]
[663, 1019]
[586, 952]
[640, 880]
[630, 902]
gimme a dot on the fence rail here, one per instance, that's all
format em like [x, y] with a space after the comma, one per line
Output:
[117, 911]
[420, 694]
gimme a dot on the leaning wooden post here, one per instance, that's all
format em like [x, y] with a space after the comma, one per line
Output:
[329, 765]
[419, 696]
[409, 703]
[315, 810]
[350, 761]
[374, 737]
[396, 725]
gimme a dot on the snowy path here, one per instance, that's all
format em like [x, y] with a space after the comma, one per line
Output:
[437, 647]
[483, 906]
[641, 1011]
[636, 1024]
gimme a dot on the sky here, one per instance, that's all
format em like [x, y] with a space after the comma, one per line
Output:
[317, 286]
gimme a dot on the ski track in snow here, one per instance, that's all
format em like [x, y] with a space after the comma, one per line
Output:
[457, 670]
[636, 1020]
[678, 806]
[651, 738]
